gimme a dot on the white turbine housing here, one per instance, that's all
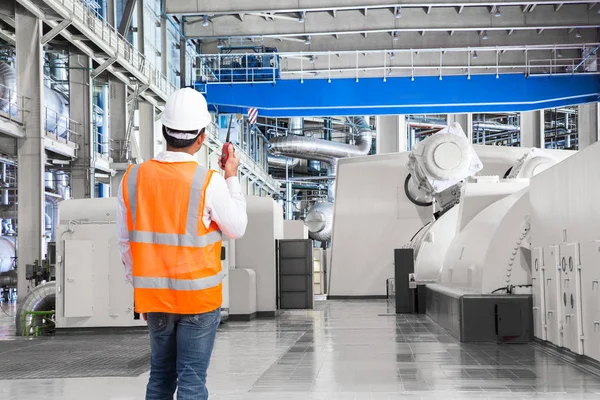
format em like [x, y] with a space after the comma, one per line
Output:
[443, 160]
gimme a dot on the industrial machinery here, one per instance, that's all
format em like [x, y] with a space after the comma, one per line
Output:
[565, 253]
[90, 289]
[319, 219]
[463, 213]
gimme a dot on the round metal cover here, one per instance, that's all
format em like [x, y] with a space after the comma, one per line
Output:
[315, 221]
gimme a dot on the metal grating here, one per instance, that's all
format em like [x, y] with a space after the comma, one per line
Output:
[75, 357]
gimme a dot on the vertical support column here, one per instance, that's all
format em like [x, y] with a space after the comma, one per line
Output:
[587, 124]
[465, 121]
[140, 26]
[391, 134]
[118, 129]
[532, 129]
[111, 13]
[146, 132]
[164, 48]
[183, 63]
[31, 152]
[83, 184]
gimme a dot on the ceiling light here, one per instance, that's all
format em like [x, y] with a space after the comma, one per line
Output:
[498, 13]
[301, 19]
[307, 41]
[475, 54]
[398, 12]
[578, 34]
[396, 36]
[205, 23]
[484, 36]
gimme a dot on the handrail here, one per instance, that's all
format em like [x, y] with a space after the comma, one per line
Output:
[12, 105]
[228, 68]
[110, 36]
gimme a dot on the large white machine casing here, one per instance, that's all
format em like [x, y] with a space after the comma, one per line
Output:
[373, 216]
[257, 250]
[91, 289]
[492, 250]
[565, 239]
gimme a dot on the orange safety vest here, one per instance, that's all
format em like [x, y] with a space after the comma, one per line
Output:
[176, 259]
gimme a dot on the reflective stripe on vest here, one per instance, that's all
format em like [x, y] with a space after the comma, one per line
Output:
[178, 284]
[189, 239]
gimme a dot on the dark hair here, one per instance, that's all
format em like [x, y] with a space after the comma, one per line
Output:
[180, 143]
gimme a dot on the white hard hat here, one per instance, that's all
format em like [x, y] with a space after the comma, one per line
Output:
[186, 110]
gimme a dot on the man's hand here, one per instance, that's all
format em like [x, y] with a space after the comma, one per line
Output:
[232, 164]
[145, 316]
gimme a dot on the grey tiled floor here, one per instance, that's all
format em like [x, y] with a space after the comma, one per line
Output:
[344, 351]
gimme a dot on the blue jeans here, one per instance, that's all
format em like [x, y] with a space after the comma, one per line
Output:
[181, 347]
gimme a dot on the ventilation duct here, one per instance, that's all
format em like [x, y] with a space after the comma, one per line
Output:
[41, 298]
[282, 162]
[56, 114]
[310, 148]
[8, 279]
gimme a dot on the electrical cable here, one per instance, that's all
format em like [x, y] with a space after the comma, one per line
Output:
[413, 200]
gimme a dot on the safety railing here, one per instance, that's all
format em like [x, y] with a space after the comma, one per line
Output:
[12, 105]
[103, 145]
[465, 61]
[245, 67]
[102, 32]
[121, 151]
[246, 162]
[59, 127]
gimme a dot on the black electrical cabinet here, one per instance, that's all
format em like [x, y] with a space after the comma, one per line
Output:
[294, 274]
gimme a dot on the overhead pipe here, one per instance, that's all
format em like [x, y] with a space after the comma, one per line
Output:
[8, 279]
[282, 162]
[310, 148]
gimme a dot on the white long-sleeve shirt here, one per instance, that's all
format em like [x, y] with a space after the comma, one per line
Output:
[225, 204]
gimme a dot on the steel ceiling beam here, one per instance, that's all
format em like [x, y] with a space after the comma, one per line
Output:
[529, 5]
[127, 15]
[421, 31]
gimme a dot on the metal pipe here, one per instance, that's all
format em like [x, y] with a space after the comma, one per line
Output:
[40, 298]
[310, 148]
[8, 279]
[281, 162]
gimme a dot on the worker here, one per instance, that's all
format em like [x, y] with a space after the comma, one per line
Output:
[171, 214]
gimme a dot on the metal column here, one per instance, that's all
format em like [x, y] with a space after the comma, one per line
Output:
[465, 121]
[118, 130]
[532, 129]
[588, 126]
[31, 153]
[146, 131]
[392, 134]
[83, 183]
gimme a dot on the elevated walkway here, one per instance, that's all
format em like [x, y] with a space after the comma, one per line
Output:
[402, 81]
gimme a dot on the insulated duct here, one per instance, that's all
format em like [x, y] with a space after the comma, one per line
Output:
[41, 298]
[8, 252]
[56, 114]
[319, 221]
[282, 162]
[310, 148]
[8, 279]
